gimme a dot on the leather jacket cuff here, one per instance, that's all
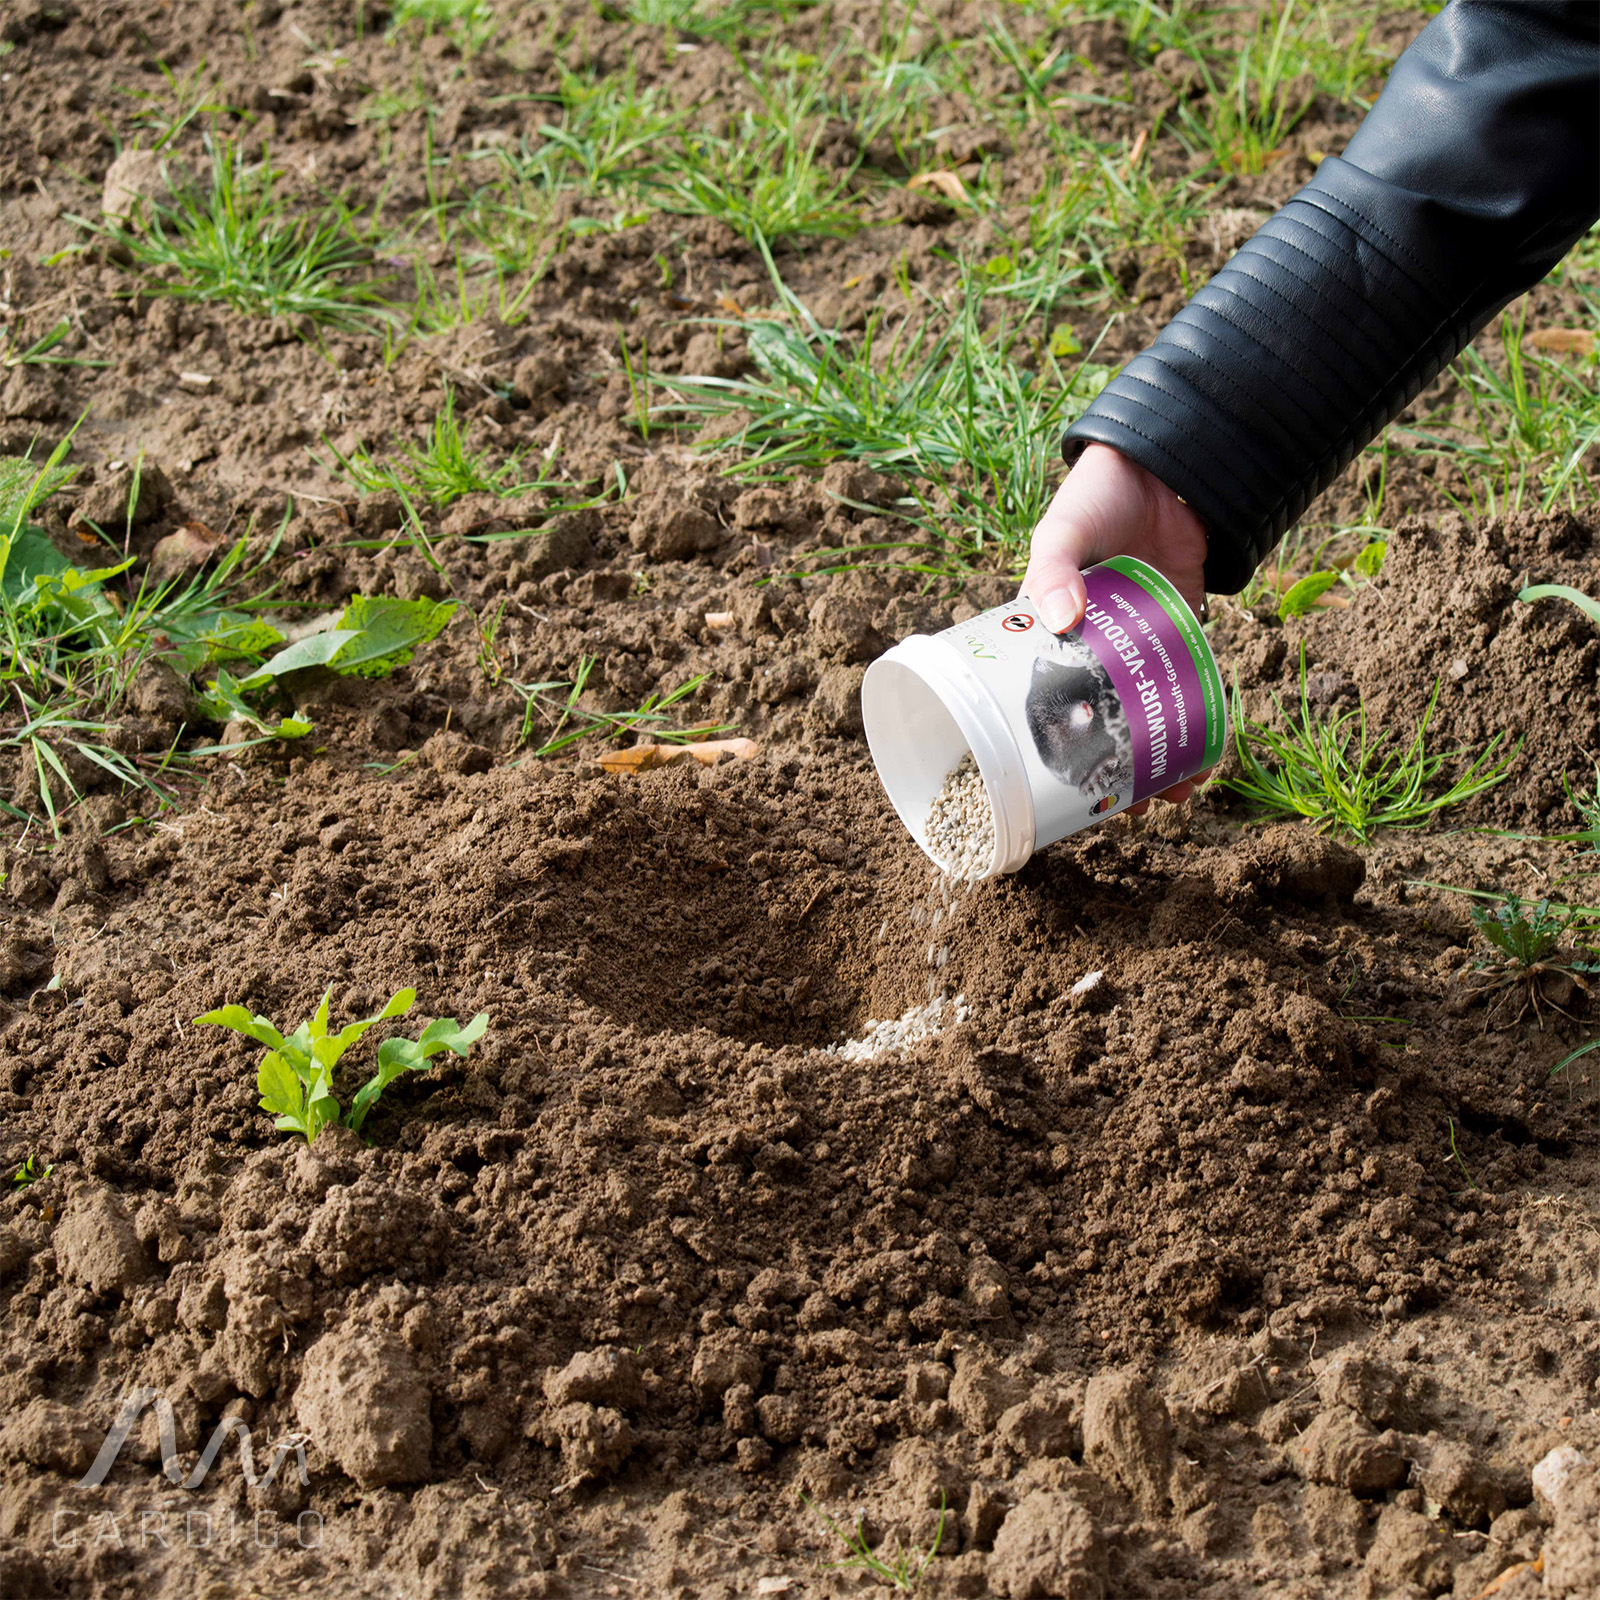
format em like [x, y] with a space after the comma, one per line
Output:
[1268, 383]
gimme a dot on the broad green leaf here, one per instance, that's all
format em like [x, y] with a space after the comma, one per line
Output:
[387, 631]
[319, 1022]
[1303, 596]
[281, 1090]
[241, 1021]
[1064, 341]
[31, 556]
[221, 636]
[399, 1004]
[222, 702]
[396, 1056]
[315, 650]
[400, 1055]
[445, 1033]
[1563, 591]
[1370, 562]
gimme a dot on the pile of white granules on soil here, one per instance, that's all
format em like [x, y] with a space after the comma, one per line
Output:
[961, 834]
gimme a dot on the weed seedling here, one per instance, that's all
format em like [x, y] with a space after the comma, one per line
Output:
[71, 640]
[1458, 1158]
[41, 352]
[1582, 1085]
[1528, 961]
[30, 1173]
[296, 1074]
[1338, 776]
[1587, 805]
[900, 1568]
[375, 634]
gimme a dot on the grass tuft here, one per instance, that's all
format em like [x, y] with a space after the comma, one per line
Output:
[765, 177]
[236, 241]
[964, 405]
[567, 723]
[1335, 774]
[1535, 419]
[442, 469]
[901, 1568]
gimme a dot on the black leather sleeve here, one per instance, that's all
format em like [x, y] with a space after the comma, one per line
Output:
[1477, 169]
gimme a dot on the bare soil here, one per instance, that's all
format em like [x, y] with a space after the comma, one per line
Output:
[1235, 1243]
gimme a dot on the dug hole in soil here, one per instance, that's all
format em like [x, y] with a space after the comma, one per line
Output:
[1209, 1236]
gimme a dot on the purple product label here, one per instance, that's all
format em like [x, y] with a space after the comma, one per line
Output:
[1155, 677]
[1127, 704]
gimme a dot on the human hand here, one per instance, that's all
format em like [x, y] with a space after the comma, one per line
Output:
[1110, 506]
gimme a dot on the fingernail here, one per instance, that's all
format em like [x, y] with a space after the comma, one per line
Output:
[1058, 610]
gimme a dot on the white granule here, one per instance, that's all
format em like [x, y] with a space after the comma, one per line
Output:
[883, 1038]
[961, 824]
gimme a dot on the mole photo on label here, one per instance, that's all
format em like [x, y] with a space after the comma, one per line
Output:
[1076, 720]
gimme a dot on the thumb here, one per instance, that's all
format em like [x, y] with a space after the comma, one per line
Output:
[1063, 544]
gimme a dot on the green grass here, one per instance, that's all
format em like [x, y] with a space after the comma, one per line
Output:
[1244, 120]
[43, 351]
[764, 178]
[604, 139]
[471, 23]
[236, 240]
[967, 407]
[1534, 418]
[899, 1568]
[566, 722]
[727, 22]
[162, 115]
[1260, 86]
[1339, 775]
[443, 467]
[1586, 802]
[72, 639]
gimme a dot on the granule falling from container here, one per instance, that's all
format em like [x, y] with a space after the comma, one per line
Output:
[961, 836]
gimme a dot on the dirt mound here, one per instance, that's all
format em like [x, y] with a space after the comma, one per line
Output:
[646, 1230]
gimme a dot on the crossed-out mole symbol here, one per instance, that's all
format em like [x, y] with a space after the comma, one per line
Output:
[1017, 622]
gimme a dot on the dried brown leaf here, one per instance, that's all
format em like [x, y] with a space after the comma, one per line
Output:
[946, 182]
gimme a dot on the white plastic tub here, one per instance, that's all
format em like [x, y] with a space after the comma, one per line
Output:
[1065, 731]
